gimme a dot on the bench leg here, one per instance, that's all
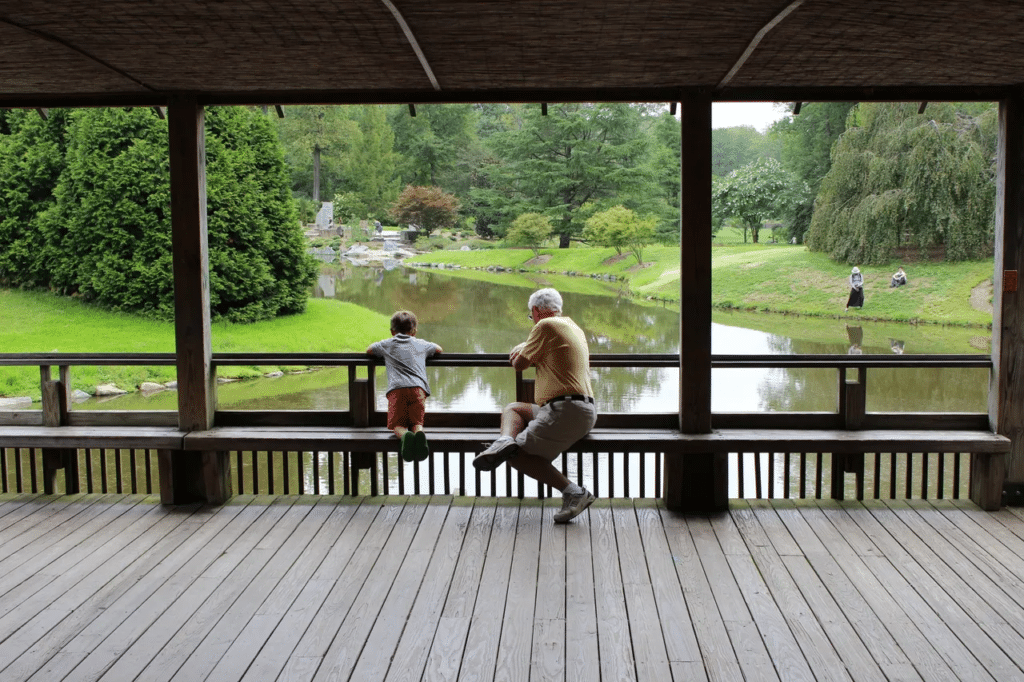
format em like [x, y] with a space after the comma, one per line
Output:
[988, 473]
[187, 476]
[55, 459]
[697, 482]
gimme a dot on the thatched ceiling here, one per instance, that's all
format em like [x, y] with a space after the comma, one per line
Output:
[282, 51]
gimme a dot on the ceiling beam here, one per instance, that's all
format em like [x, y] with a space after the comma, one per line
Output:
[526, 96]
[412, 42]
[71, 46]
[758, 37]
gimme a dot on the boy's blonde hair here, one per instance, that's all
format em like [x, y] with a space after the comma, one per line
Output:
[403, 322]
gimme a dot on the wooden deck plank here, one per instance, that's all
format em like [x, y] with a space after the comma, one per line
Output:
[922, 604]
[446, 650]
[548, 657]
[831, 646]
[613, 635]
[720, 660]
[751, 652]
[155, 554]
[63, 594]
[901, 626]
[183, 623]
[994, 584]
[445, 589]
[199, 644]
[835, 585]
[681, 646]
[582, 658]
[26, 540]
[72, 557]
[515, 649]
[392, 561]
[351, 560]
[977, 548]
[481, 642]
[388, 626]
[280, 619]
[101, 643]
[410, 657]
[247, 625]
[645, 631]
[794, 638]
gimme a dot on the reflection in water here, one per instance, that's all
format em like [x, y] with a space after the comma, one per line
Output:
[469, 316]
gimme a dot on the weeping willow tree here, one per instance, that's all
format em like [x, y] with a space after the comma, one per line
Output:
[903, 183]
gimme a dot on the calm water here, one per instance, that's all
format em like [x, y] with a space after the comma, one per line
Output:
[469, 316]
[466, 315]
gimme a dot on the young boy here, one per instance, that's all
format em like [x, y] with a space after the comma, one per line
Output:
[405, 358]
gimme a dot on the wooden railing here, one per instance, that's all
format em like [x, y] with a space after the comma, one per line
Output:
[850, 393]
[623, 472]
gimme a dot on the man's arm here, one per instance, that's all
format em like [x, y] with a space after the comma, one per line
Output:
[516, 358]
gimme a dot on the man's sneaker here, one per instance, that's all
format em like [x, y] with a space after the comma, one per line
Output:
[501, 450]
[573, 505]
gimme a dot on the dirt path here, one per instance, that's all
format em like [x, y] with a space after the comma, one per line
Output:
[981, 297]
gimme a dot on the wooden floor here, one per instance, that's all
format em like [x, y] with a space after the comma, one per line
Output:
[290, 588]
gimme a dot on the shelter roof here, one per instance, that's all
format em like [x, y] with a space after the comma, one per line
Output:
[285, 51]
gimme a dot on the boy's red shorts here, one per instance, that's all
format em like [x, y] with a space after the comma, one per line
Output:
[406, 407]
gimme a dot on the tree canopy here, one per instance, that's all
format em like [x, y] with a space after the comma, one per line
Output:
[100, 227]
[531, 230]
[759, 191]
[903, 182]
[427, 208]
[555, 164]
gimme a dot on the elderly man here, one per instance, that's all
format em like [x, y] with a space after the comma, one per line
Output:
[532, 436]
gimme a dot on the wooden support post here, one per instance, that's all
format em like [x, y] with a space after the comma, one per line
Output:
[360, 404]
[191, 476]
[988, 472]
[56, 405]
[1006, 385]
[700, 482]
[524, 389]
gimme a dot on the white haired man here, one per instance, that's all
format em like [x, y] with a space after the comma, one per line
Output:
[532, 436]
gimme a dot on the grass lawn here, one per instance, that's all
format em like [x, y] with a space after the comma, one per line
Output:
[766, 277]
[37, 322]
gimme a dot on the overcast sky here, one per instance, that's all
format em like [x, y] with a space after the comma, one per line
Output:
[757, 114]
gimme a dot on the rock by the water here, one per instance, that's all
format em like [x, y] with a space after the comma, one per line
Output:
[150, 387]
[109, 389]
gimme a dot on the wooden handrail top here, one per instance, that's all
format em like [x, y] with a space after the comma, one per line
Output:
[722, 440]
[667, 360]
[129, 437]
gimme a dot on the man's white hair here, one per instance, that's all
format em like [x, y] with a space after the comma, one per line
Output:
[546, 299]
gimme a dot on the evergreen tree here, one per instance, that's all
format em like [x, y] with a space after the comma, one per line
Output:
[577, 154]
[806, 151]
[108, 232]
[31, 158]
[316, 139]
[371, 164]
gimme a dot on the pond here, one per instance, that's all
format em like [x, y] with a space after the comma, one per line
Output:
[478, 312]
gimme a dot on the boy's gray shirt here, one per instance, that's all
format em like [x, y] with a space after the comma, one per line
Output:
[405, 356]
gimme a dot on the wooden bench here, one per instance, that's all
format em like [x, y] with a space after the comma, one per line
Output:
[988, 450]
[704, 466]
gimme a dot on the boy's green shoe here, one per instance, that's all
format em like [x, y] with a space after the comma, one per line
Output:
[420, 450]
[407, 447]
